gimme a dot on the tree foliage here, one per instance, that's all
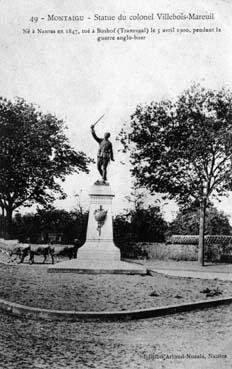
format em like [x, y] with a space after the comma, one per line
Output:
[181, 147]
[39, 226]
[140, 225]
[34, 154]
[187, 223]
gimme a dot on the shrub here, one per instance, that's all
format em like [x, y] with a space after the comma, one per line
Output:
[133, 250]
[212, 252]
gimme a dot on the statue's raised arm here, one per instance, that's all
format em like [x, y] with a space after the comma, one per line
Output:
[94, 135]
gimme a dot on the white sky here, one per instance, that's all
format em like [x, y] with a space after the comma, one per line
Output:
[79, 79]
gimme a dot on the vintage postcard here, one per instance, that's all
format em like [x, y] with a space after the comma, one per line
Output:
[105, 108]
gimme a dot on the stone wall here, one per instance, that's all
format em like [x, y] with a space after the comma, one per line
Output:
[178, 252]
[164, 251]
[186, 252]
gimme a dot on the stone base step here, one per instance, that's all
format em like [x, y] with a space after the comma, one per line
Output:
[103, 267]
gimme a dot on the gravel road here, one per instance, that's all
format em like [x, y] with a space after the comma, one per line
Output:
[33, 286]
[198, 340]
[119, 345]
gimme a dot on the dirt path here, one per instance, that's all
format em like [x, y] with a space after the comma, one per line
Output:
[33, 286]
[144, 344]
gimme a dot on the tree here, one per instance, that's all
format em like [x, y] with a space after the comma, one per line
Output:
[34, 154]
[136, 198]
[148, 224]
[122, 229]
[36, 227]
[140, 225]
[184, 148]
[187, 222]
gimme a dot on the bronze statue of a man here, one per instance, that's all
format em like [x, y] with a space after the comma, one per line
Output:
[105, 153]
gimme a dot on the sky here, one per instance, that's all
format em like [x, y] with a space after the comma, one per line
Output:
[78, 78]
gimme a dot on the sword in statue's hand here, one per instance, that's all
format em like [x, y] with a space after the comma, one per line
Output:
[93, 125]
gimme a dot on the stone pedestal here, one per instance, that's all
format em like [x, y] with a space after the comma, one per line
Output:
[99, 253]
[99, 243]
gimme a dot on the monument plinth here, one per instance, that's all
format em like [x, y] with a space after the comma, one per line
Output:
[99, 253]
[99, 243]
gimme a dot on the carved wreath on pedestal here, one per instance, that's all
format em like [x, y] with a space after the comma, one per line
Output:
[100, 216]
